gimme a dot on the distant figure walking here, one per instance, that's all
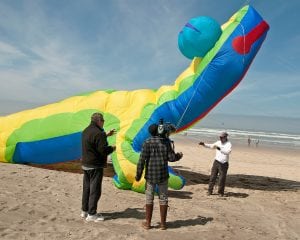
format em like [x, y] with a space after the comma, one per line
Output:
[249, 141]
[220, 165]
[257, 142]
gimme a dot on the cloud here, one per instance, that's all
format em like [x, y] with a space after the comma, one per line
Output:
[10, 50]
[9, 54]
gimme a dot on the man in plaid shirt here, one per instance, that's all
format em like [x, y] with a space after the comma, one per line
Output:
[155, 154]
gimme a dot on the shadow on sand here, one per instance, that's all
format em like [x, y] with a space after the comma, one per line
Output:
[242, 181]
[200, 220]
[73, 167]
[193, 178]
[180, 194]
[139, 213]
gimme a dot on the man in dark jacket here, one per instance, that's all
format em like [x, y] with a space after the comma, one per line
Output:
[156, 152]
[95, 150]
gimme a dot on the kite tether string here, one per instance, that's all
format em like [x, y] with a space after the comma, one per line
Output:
[189, 103]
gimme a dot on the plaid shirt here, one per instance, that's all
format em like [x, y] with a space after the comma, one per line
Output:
[156, 152]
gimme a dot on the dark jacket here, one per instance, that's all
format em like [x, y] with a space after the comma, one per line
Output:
[95, 147]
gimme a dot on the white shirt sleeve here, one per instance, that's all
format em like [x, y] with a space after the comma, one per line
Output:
[210, 145]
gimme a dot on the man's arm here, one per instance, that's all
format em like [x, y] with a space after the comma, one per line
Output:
[172, 156]
[144, 156]
[207, 145]
[102, 146]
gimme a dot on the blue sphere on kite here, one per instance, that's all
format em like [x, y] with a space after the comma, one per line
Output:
[198, 36]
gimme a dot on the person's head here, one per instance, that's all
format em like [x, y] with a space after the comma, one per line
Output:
[223, 137]
[98, 119]
[153, 129]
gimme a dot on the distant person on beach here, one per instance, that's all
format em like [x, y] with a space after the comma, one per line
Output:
[257, 142]
[249, 141]
[156, 152]
[220, 165]
[95, 150]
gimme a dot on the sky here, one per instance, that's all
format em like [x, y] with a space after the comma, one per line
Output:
[52, 50]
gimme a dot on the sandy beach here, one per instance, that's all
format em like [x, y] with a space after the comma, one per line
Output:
[262, 200]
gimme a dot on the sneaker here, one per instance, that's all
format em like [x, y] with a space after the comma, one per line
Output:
[95, 218]
[84, 214]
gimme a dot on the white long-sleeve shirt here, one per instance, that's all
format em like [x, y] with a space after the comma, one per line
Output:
[222, 155]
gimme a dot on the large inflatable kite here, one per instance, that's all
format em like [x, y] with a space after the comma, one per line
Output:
[52, 133]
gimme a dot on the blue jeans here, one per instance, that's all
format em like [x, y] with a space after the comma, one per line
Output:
[162, 192]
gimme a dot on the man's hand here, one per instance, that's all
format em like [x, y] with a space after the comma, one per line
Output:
[111, 132]
[201, 143]
[178, 155]
[216, 147]
[137, 178]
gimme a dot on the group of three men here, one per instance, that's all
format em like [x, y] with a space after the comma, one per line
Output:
[156, 152]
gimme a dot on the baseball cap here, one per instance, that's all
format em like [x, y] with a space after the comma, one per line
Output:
[223, 134]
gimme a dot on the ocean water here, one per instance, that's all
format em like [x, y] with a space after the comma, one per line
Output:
[263, 131]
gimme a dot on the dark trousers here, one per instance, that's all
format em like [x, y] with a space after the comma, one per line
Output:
[92, 184]
[221, 169]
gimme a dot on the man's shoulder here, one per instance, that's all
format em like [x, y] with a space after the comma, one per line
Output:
[148, 140]
[152, 139]
[93, 130]
[227, 143]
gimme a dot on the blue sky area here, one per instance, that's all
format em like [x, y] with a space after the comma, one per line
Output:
[51, 50]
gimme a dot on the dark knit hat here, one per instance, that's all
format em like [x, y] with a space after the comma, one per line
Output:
[153, 129]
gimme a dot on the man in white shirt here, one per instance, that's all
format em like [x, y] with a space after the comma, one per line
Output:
[220, 165]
